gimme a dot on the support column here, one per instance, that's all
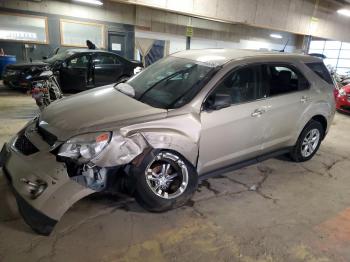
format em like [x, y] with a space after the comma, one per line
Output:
[188, 42]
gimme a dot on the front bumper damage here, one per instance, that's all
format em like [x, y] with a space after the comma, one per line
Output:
[38, 221]
[27, 162]
[41, 213]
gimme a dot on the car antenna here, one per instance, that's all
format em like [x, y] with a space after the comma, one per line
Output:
[284, 48]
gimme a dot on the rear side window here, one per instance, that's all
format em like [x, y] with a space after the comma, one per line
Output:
[320, 69]
[105, 59]
[283, 79]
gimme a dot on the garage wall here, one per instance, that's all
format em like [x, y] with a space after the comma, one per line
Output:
[115, 17]
[158, 24]
[284, 15]
[178, 42]
[109, 12]
[150, 23]
[161, 21]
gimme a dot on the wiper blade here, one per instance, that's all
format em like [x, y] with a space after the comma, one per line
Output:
[165, 79]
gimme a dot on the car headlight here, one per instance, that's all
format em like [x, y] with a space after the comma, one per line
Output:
[341, 92]
[85, 147]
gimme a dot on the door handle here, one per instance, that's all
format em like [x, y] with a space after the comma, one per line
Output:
[258, 112]
[305, 99]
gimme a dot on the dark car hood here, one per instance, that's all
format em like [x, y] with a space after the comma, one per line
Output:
[22, 66]
[98, 109]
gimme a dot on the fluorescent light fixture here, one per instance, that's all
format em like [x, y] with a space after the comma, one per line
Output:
[92, 2]
[344, 12]
[276, 36]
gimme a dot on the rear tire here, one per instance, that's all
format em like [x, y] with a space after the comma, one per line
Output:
[308, 142]
[165, 180]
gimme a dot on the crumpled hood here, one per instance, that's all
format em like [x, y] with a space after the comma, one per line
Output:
[21, 66]
[99, 109]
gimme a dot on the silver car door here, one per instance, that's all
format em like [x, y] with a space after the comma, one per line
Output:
[234, 133]
[289, 96]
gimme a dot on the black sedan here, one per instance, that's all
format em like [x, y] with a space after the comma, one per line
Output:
[76, 69]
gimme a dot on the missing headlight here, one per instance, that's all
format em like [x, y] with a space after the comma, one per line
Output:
[34, 188]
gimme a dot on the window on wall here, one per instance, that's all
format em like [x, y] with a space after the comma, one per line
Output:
[337, 54]
[75, 33]
[26, 28]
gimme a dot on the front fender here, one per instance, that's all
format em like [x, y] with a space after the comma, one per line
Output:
[177, 133]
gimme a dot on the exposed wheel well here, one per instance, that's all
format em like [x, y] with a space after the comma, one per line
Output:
[322, 120]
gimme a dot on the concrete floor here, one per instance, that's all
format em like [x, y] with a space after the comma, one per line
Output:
[275, 211]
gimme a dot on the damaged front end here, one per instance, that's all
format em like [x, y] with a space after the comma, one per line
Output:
[48, 179]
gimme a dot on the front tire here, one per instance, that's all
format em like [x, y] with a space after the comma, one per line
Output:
[308, 142]
[165, 180]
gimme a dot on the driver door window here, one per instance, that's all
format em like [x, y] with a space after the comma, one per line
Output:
[79, 62]
[242, 85]
[76, 75]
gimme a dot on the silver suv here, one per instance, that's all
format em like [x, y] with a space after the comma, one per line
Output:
[190, 116]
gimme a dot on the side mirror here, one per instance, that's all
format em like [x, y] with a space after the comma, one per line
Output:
[64, 65]
[218, 101]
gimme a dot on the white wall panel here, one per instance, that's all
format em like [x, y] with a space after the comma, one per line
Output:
[178, 43]
[286, 15]
[246, 11]
[280, 8]
[293, 17]
[227, 9]
[185, 6]
[262, 17]
[205, 7]
[111, 12]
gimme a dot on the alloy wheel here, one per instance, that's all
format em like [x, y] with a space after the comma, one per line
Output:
[167, 176]
[310, 142]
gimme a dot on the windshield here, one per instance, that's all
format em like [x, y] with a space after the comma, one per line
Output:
[170, 82]
[60, 56]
